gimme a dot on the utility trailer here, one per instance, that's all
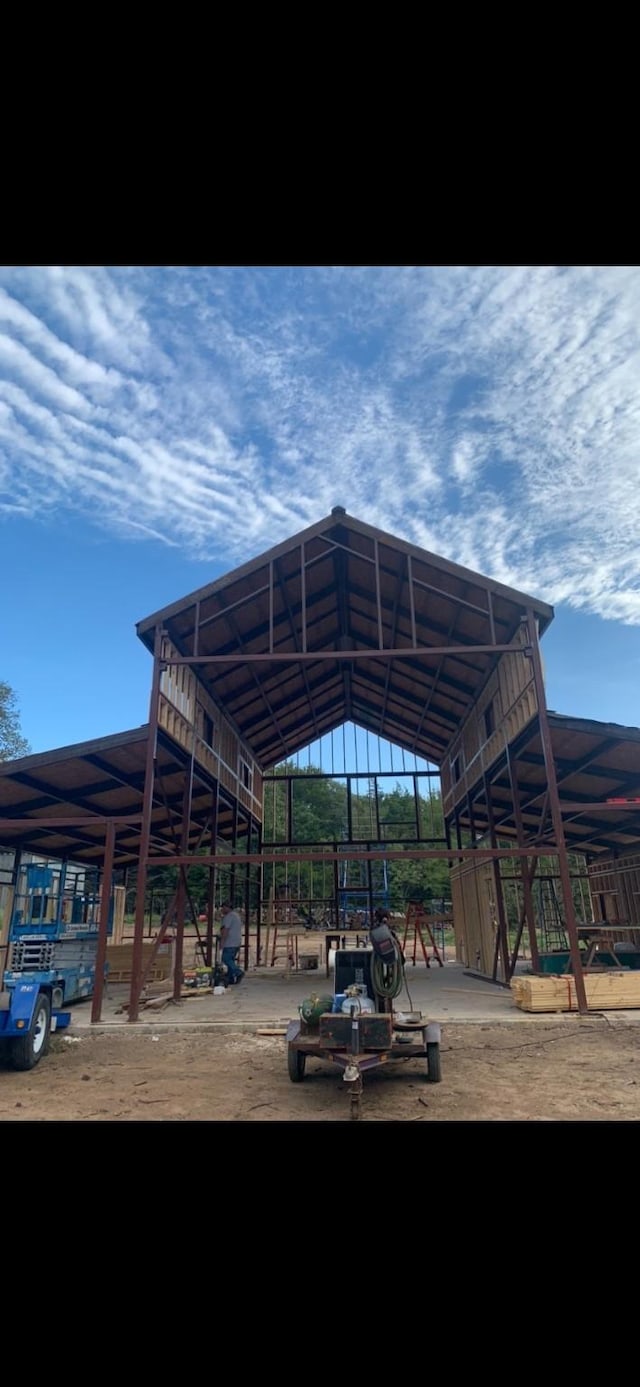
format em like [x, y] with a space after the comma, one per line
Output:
[356, 1040]
[359, 1043]
[51, 945]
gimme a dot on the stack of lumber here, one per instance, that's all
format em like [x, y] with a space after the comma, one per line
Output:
[614, 990]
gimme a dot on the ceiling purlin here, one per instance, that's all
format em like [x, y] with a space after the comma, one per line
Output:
[420, 677]
[235, 697]
[409, 699]
[249, 597]
[280, 685]
[296, 639]
[394, 626]
[76, 835]
[32, 805]
[71, 796]
[462, 602]
[435, 682]
[256, 680]
[436, 627]
[575, 841]
[255, 726]
[132, 782]
[267, 750]
[528, 808]
[534, 798]
[253, 717]
[394, 719]
[400, 713]
[344, 639]
[261, 629]
[567, 768]
[631, 821]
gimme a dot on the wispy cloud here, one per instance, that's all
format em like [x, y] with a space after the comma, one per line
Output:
[490, 414]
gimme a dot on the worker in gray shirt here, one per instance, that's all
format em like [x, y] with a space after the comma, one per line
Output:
[230, 940]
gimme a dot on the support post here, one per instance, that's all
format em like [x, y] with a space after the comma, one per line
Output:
[103, 924]
[556, 813]
[145, 832]
[526, 871]
[503, 932]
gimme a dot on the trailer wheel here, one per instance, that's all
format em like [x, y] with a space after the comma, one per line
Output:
[434, 1067]
[296, 1062]
[25, 1050]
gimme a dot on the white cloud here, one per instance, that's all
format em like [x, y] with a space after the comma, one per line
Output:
[25, 324]
[18, 361]
[489, 414]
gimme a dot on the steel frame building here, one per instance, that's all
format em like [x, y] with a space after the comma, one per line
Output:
[340, 623]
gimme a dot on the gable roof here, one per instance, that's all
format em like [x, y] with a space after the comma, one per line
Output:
[338, 587]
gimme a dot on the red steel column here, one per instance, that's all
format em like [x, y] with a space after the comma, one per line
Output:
[503, 929]
[556, 813]
[103, 925]
[145, 832]
[181, 894]
[525, 869]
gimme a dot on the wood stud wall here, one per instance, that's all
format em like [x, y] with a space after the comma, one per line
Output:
[615, 891]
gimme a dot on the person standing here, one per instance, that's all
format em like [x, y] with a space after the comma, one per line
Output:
[230, 940]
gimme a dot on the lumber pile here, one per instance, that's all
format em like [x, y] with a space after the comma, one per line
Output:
[615, 989]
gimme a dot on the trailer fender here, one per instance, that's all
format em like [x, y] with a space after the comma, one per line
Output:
[433, 1034]
[23, 1003]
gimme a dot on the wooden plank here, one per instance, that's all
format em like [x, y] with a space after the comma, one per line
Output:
[120, 960]
[611, 990]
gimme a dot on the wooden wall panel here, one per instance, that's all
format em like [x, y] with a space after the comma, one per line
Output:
[189, 715]
[475, 915]
[504, 706]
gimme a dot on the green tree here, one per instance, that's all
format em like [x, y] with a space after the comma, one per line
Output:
[320, 816]
[12, 743]
[414, 880]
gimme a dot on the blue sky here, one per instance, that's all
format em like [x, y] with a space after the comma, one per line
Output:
[160, 425]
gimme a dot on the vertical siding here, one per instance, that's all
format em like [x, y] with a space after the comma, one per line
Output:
[475, 914]
[511, 695]
[184, 709]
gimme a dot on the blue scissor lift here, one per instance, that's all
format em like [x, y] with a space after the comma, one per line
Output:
[51, 955]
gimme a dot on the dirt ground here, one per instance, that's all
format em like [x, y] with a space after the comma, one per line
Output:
[581, 1069]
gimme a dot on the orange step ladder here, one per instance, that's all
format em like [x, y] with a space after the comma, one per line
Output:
[416, 919]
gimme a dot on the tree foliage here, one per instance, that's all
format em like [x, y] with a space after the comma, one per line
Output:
[12, 743]
[320, 818]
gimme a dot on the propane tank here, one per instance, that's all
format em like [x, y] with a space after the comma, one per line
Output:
[359, 1000]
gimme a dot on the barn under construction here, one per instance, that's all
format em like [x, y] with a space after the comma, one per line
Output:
[343, 624]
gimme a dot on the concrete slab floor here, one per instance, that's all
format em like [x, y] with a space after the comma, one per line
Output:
[266, 997]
